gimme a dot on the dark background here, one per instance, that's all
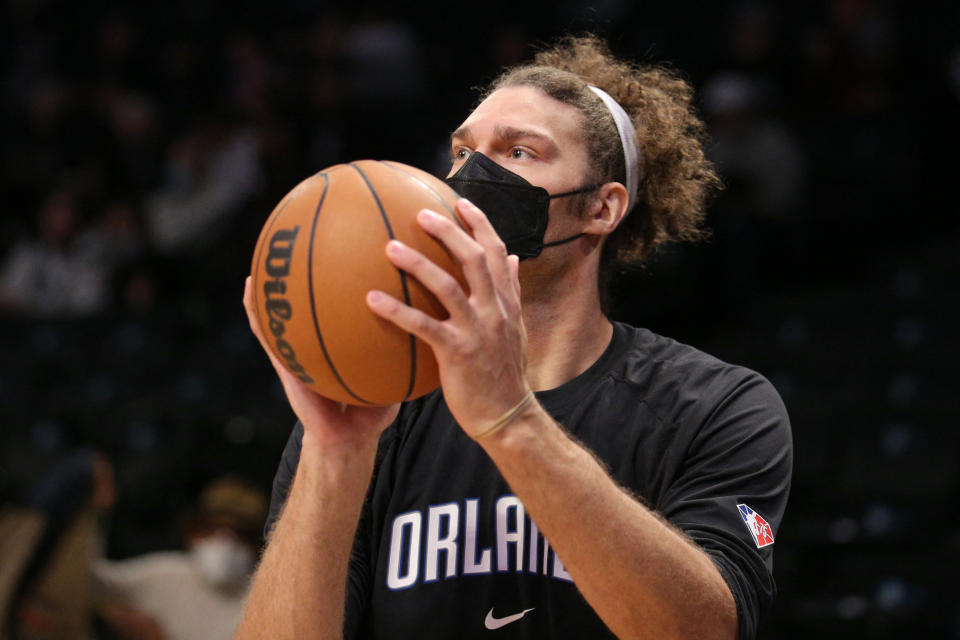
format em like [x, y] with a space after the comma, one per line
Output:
[143, 145]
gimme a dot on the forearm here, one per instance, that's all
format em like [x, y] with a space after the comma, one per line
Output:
[642, 577]
[299, 590]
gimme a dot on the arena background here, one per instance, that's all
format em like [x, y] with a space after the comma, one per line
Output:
[144, 144]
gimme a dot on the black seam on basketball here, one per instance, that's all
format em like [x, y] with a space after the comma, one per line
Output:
[313, 304]
[266, 234]
[335, 168]
[403, 279]
[432, 191]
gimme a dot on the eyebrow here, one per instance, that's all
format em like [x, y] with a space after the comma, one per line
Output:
[507, 133]
[462, 133]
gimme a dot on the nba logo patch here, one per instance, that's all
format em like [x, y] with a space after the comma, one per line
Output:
[759, 529]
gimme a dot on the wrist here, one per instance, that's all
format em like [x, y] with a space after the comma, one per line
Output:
[525, 428]
[509, 416]
[337, 446]
[337, 460]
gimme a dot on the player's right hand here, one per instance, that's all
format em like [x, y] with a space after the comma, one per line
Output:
[329, 423]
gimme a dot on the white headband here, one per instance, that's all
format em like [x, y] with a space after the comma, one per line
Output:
[628, 138]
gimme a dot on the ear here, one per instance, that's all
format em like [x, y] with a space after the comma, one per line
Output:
[608, 210]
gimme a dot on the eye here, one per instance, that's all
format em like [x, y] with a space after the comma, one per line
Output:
[460, 153]
[519, 153]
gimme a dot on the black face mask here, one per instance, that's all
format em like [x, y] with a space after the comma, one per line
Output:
[516, 209]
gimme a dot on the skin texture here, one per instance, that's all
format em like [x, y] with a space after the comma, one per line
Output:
[299, 589]
[522, 327]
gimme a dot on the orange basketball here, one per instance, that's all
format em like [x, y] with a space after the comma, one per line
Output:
[321, 251]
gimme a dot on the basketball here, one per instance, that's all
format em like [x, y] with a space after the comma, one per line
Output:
[320, 252]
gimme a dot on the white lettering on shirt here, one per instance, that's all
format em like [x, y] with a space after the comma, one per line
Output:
[438, 543]
[406, 527]
[518, 544]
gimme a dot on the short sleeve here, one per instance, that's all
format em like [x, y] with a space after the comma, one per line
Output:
[731, 493]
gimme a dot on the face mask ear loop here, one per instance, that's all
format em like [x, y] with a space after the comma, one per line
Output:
[563, 195]
[564, 241]
[576, 191]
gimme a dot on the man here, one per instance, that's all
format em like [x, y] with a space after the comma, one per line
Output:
[573, 477]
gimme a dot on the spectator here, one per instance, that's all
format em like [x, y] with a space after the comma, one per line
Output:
[57, 275]
[755, 219]
[46, 533]
[754, 151]
[211, 172]
[194, 594]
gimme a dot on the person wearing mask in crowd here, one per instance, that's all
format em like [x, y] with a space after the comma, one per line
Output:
[573, 477]
[192, 594]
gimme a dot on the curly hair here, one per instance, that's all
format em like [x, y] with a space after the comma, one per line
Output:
[676, 177]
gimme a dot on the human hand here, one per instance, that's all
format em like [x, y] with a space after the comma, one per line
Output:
[325, 421]
[481, 348]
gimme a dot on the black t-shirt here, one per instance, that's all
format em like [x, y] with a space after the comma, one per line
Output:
[445, 549]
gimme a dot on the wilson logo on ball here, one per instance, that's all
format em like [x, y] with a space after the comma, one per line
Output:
[321, 250]
[278, 308]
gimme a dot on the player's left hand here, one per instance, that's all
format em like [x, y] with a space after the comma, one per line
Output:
[481, 348]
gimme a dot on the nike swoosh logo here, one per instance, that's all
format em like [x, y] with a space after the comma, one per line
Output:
[495, 623]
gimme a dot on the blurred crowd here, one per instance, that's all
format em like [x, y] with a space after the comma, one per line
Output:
[56, 582]
[144, 145]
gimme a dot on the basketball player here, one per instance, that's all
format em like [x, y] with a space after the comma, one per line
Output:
[574, 477]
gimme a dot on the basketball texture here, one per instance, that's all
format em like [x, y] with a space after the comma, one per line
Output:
[321, 251]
